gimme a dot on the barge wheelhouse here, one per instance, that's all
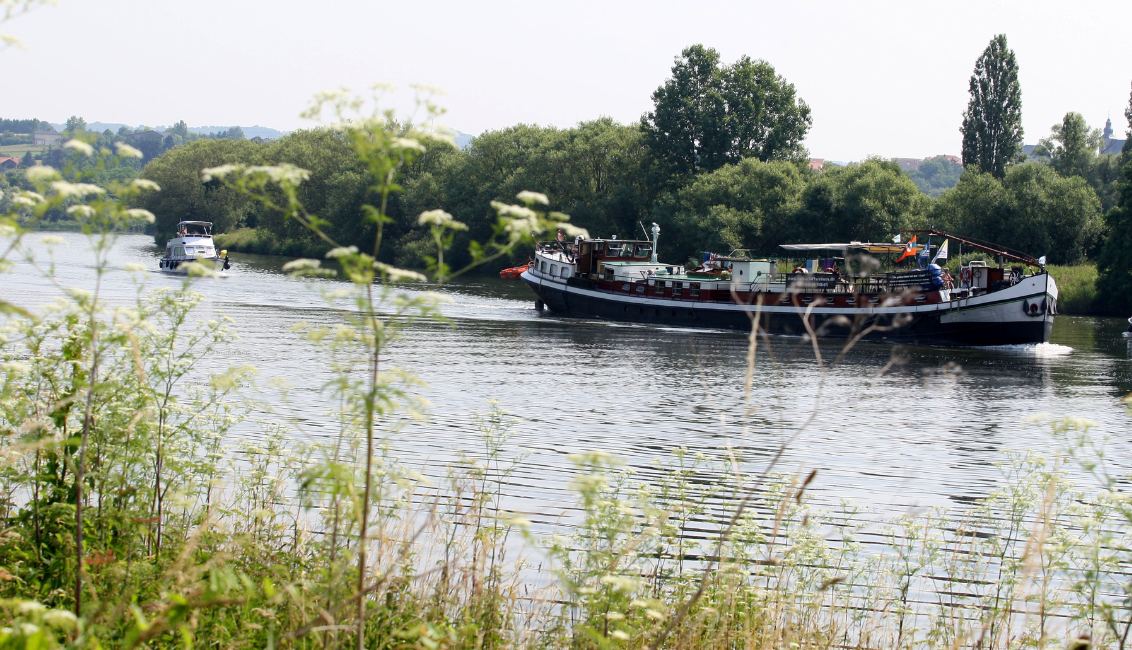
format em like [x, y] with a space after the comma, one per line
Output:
[1008, 299]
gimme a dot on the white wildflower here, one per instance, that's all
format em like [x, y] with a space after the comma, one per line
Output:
[341, 251]
[571, 231]
[80, 146]
[145, 184]
[285, 173]
[394, 274]
[139, 213]
[24, 201]
[63, 188]
[126, 151]
[14, 367]
[53, 240]
[42, 174]
[29, 629]
[60, 619]
[80, 211]
[614, 616]
[528, 197]
[219, 172]
[434, 218]
[619, 635]
[134, 267]
[514, 211]
[301, 265]
[621, 583]
[408, 143]
[7, 230]
[654, 614]
[30, 607]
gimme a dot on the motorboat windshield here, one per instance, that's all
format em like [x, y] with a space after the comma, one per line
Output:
[194, 229]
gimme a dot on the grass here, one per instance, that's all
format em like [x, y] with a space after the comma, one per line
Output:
[1077, 288]
[263, 242]
[21, 149]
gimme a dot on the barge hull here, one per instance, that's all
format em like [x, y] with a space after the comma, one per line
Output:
[998, 319]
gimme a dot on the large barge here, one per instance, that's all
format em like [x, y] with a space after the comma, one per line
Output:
[1006, 299]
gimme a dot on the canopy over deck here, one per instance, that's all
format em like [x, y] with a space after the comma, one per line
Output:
[853, 246]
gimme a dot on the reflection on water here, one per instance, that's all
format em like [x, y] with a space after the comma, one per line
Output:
[893, 427]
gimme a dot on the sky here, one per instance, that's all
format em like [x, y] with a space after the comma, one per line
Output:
[881, 78]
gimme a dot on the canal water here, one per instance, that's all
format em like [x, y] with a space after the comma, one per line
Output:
[893, 428]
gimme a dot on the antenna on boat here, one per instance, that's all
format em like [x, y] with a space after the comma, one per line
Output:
[655, 237]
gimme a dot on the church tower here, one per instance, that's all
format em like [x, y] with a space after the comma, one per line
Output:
[1107, 130]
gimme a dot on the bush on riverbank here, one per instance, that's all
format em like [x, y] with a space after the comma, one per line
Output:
[262, 242]
[1077, 289]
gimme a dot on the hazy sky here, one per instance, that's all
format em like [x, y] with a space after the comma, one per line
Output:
[881, 78]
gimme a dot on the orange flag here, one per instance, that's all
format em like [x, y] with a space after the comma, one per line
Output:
[909, 250]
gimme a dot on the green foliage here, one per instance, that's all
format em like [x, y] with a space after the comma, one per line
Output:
[1071, 147]
[708, 115]
[1076, 287]
[1032, 209]
[1114, 264]
[992, 124]
[870, 201]
[19, 126]
[185, 198]
[936, 175]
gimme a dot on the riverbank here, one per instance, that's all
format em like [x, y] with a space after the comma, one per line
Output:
[262, 242]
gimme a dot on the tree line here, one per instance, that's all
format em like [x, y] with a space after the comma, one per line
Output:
[718, 163]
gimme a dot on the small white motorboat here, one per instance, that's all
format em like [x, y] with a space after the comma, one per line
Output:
[193, 243]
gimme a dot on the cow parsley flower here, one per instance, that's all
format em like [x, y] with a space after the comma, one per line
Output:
[80, 146]
[126, 151]
[144, 215]
[42, 174]
[145, 184]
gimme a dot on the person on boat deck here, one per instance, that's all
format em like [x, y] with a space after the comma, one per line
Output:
[948, 281]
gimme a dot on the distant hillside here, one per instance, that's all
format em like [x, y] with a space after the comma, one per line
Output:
[249, 131]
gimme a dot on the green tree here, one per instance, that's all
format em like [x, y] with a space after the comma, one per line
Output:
[936, 175]
[748, 205]
[686, 131]
[707, 115]
[1114, 264]
[181, 129]
[235, 133]
[183, 197]
[870, 201]
[75, 125]
[1071, 147]
[992, 124]
[27, 160]
[1032, 209]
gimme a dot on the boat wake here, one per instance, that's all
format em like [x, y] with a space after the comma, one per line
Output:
[1036, 350]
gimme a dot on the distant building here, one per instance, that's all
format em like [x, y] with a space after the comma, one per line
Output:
[147, 136]
[9, 163]
[50, 138]
[261, 140]
[908, 164]
[816, 163]
[912, 164]
[1110, 145]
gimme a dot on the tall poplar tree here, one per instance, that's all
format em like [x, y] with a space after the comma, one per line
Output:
[992, 125]
[1114, 265]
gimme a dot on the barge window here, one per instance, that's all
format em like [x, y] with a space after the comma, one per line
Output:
[660, 288]
[542, 267]
[640, 288]
[643, 250]
[677, 288]
[553, 270]
[694, 290]
[565, 271]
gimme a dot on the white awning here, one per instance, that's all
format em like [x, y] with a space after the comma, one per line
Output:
[851, 246]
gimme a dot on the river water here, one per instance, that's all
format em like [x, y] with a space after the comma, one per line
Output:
[896, 428]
